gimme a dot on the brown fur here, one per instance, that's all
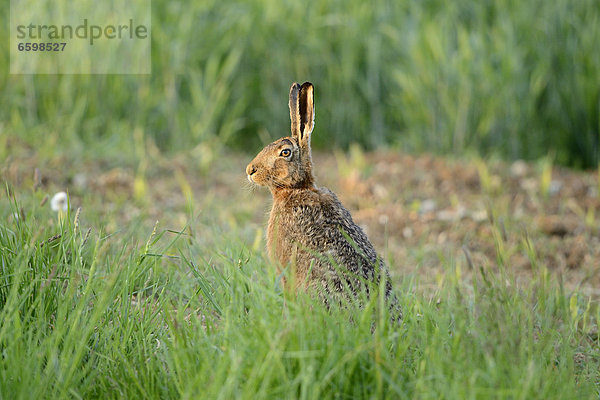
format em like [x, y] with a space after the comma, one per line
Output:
[309, 228]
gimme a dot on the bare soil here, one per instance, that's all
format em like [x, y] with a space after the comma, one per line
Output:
[419, 211]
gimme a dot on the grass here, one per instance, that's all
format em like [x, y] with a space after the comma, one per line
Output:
[103, 303]
[188, 312]
[517, 79]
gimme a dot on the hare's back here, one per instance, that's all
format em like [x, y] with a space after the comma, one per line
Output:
[325, 226]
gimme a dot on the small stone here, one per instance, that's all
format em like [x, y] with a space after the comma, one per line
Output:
[442, 238]
[380, 191]
[450, 215]
[427, 206]
[529, 184]
[479, 216]
[80, 180]
[518, 168]
[555, 187]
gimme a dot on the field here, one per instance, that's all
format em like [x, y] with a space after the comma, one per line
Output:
[462, 136]
[495, 266]
[498, 77]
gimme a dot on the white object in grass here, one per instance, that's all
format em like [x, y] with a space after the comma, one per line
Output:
[59, 202]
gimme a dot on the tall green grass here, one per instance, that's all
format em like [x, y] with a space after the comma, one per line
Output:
[499, 76]
[90, 315]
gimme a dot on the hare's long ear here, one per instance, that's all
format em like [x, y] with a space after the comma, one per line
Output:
[295, 110]
[307, 112]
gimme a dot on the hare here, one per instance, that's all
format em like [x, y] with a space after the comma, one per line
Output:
[309, 228]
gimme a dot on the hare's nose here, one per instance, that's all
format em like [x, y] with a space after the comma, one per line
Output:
[250, 169]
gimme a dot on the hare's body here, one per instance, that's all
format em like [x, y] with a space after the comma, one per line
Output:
[309, 229]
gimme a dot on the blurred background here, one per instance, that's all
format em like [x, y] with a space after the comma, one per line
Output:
[520, 80]
[425, 113]
[462, 136]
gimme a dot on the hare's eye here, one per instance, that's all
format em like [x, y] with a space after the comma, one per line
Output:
[285, 153]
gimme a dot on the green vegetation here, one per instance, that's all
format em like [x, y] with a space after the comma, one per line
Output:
[97, 304]
[87, 314]
[514, 78]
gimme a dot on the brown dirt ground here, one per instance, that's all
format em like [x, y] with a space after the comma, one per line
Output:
[420, 211]
[426, 209]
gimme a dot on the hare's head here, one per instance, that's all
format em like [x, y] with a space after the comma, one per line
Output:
[286, 163]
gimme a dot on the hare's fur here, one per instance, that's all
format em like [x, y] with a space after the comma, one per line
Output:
[309, 228]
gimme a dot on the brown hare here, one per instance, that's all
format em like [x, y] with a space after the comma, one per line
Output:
[309, 229]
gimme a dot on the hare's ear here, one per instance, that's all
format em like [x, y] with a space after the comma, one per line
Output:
[295, 110]
[302, 112]
[307, 112]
